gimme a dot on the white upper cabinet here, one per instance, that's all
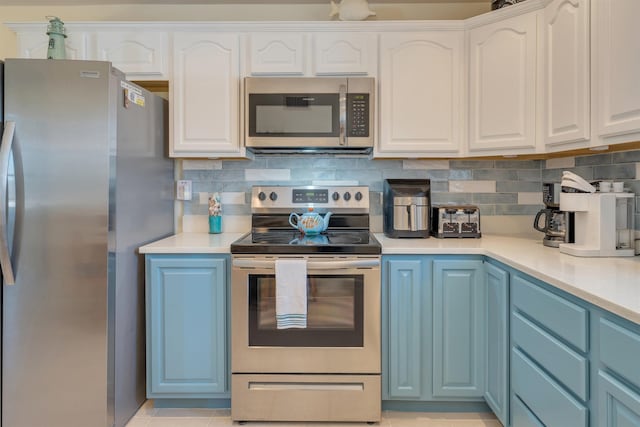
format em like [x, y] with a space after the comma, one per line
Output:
[35, 44]
[616, 67]
[344, 53]
[140, 55]
[566, 83]
[276, 53]
[204, 95]
[420, 93]
[502, 97]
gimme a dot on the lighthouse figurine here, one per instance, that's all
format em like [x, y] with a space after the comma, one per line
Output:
[57, 33]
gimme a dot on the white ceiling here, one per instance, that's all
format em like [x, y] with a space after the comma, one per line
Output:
[111, 2]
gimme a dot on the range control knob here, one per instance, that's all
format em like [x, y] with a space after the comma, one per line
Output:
[273, 196]
[335, 195]
[347, 196]
[262, 196]
[358, 196]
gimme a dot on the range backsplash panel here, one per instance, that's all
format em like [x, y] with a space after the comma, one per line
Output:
[498, 187]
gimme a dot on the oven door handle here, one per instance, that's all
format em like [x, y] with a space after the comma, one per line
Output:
[311, 265]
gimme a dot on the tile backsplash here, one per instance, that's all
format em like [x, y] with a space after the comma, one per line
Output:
[499, 187]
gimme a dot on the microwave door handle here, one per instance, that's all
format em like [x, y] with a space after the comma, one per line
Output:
[343, 114]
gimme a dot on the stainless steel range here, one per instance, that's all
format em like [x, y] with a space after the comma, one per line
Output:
[329, 369]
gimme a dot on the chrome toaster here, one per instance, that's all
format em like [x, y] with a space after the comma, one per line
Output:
[455, 221]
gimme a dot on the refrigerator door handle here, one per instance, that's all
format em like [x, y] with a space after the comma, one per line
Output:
[5, 154]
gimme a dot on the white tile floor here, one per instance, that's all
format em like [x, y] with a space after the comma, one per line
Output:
[148, 416]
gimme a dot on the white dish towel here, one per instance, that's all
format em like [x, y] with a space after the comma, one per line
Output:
[291, 293]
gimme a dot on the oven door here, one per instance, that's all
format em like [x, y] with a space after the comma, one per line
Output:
[343, 318]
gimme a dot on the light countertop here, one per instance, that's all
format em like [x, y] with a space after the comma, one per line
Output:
[192, 243]
[610, 283]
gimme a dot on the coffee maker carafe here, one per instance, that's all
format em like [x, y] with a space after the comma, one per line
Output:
[557, 225]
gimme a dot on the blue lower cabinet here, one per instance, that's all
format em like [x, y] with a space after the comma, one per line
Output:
[545, 398]
[618, 405]
[496, 327]
[521, 416]
[458, 340]
[618, 372]
[406, 287]
[186, 303]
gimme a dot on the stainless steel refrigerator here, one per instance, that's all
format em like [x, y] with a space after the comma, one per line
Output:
[84, 182]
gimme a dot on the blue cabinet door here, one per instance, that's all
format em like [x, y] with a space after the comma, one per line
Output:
[406, 286]
[186, 324]
[618, 405]
[496, 355]
[457, 328]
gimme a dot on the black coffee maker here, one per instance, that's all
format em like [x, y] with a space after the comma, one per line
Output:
[406, 207]
[558, 226]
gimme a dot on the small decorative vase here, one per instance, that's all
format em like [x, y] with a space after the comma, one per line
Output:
[215, 224]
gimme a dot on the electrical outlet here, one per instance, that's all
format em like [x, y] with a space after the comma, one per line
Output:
[183, 189]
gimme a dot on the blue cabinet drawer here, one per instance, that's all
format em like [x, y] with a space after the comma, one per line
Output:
[619, 350]
[567, 366]
[618, 406]
[521, 416]
[551, 404]
[563, 318]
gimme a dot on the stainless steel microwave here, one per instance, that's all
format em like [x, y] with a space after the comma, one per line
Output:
[309, 113]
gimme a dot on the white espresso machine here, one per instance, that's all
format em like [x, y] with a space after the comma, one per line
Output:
[604, 224]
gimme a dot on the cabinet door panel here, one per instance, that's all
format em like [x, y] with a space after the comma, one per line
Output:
[617, 66]
[276, 53]
[503, 85]
[344, 53]
[566, 72]
[618, 406]
[139, 55]
[406, 331]
[457, 329]
[420, 81]
[496, 356]
[186, 300]
[205, 95]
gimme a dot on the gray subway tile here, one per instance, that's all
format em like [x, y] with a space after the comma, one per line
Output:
[494, 198]
[460, 174]
[529, 175]
[437, 174]
[447, 198]
[195, 208]
[551, 175]
[206, 186]
[619, 171]
[245, 164]
[229, 175]
[288, 163]
[518, 164]
[594, 159]
[471, 164]
[237, 186]
[486, 210]
[199, 174]
[439, 186]
[626, 156]
[517, 209]
[379, 164]
[405, 174]
[495, 174]
[312, 174]
[517, 186]
[236, 209]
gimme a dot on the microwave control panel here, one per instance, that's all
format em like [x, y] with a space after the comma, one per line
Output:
[358, 114]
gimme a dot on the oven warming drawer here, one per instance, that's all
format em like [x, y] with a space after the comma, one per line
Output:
[346, 398]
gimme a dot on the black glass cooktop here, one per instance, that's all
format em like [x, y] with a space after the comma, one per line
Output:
[293, 242]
